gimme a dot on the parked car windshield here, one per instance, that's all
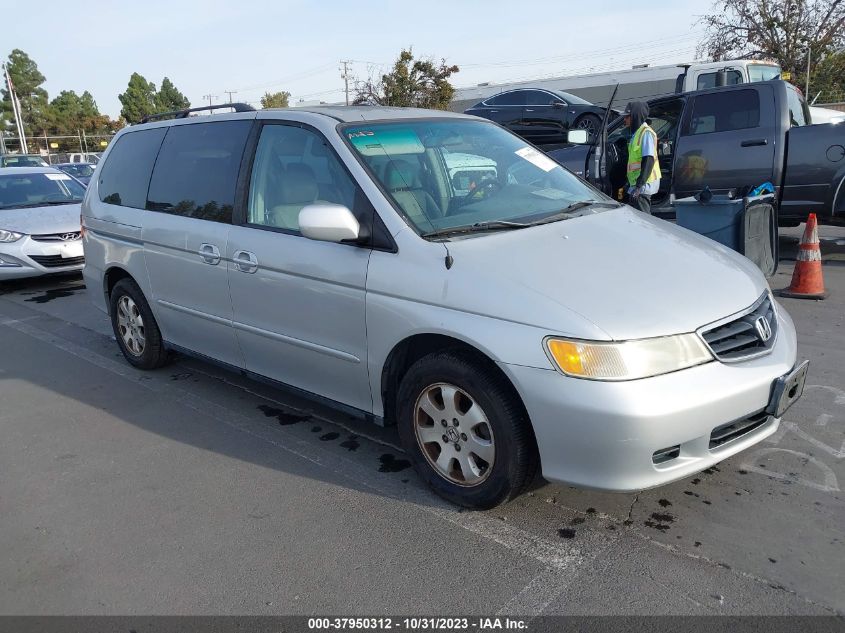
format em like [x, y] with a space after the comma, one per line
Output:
[758, 72]
[80, 170]
[40, 189]
[22, 160]
[571, 99]
[449, 174]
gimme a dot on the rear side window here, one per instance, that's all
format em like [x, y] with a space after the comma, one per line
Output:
[725, 111]
[509, 98]
[538, 97]
[197, 170]
[125, 176]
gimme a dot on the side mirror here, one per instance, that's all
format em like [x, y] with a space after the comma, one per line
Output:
[328, 222]
[579, 137]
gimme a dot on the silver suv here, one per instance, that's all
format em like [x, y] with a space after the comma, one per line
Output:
[523, 320]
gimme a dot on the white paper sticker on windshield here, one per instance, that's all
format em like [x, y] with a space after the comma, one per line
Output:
[58, 176]
[536, 158]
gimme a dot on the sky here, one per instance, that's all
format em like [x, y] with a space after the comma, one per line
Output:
[253, 46]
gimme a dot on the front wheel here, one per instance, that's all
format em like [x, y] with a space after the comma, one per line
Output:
[465, 429]
[135, 328]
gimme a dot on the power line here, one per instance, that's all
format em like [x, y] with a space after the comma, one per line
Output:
[209, 97]
[230, 93]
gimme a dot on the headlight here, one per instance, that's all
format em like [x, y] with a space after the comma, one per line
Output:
[627, 360]
[9, 236]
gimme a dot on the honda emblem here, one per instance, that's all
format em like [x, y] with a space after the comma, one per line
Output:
[764, 329]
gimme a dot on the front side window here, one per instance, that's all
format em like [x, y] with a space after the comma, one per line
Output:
[443, 175]
[38, 190]
[757, 72]
[295, 167]
[725, 111]
[125, 176]
[797, 114]
[197, 168]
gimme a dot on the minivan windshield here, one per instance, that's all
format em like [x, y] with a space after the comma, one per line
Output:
[19, 191]
[455, 176]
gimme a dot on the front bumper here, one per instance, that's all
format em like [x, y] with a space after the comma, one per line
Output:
[604, 435]
[31, 258]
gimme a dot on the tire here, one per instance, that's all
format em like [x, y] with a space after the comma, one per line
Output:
[589, 122]
[135, 327]
[487, 414]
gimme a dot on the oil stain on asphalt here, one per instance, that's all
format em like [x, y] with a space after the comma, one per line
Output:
[328, 437]
[55, 293]
[351, 444]
[285, 418]
[389, 464]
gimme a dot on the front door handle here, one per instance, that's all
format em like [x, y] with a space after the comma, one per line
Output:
[245, 261]
[753, 142]
[209, 253]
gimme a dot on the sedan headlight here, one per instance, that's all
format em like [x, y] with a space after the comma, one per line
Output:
[9, 236]
[627, 360]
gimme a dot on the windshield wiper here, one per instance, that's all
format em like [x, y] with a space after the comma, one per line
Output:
[478, 227]
[46, 203]
[569, 212]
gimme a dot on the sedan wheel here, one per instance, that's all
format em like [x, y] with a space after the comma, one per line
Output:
[454, 434]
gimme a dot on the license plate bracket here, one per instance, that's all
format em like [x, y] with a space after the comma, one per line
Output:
[787, 389]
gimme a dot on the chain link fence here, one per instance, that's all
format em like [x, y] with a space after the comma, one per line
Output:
[57, 148]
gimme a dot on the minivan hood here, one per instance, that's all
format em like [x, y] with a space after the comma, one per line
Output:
[631, 275]
[62, 218]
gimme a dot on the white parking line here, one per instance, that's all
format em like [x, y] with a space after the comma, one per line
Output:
[561, 562]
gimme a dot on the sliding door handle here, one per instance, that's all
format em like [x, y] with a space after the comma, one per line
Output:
[754, 142]
[209, 253]
[245, 261]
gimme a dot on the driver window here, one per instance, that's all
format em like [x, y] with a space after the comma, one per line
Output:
[294, 167]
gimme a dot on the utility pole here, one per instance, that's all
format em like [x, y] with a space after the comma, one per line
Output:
[16, 110]
[807, 86]
[230, 93]
[209, 97]
[345, 76]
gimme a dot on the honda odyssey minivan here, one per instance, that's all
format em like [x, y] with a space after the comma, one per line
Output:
[526, 321]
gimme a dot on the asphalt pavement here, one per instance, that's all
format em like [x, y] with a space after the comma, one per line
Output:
[189, 490]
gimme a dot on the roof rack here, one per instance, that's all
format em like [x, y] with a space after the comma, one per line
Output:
[181, 114]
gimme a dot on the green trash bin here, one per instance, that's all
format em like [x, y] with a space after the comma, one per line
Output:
[747, 225]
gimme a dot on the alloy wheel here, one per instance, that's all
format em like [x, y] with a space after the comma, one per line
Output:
[454, 434]
[130, 325]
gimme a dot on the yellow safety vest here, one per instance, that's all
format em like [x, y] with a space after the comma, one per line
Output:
[635, 156]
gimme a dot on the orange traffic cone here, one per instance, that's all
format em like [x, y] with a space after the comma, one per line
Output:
[807, 280]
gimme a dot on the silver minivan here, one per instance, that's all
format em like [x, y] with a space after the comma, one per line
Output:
[511, 319]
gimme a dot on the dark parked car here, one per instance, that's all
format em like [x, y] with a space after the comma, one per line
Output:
[540, 116]
[731, 139]
[81, 171]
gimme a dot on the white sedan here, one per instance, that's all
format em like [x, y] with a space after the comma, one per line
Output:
[40, 232]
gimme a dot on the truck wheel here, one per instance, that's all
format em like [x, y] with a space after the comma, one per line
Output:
[589, 122]
[465, 430]
[135, 328]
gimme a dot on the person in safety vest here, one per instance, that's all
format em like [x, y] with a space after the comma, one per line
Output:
[643, 167]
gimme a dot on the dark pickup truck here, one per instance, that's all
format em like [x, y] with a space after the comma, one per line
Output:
[732, 138]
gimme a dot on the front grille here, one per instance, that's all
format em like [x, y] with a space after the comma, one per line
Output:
[752, 334]
[70, 236]
[57, 261]
[731, 431]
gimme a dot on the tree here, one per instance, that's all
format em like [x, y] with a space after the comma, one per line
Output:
[69, 113]
[138, 100]
[27, 80]
[412, 83]
[828, 79]
[275, 100]
[780, 29]
[169, 98]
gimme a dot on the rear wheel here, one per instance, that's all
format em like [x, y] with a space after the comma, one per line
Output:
[589, 122]
[465, 429]
[135, 328]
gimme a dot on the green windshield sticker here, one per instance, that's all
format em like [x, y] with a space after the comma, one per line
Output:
[390, 141]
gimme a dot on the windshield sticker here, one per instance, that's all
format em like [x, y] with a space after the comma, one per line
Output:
[536, 158]
[58, 176]
[389, 141]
